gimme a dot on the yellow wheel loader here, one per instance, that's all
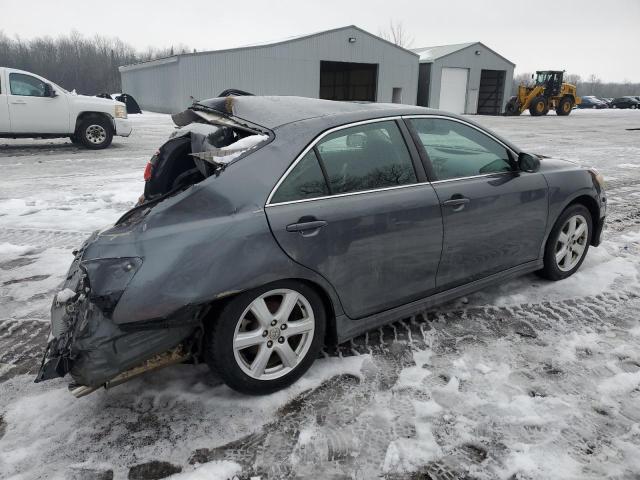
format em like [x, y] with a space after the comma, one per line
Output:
[549, 92]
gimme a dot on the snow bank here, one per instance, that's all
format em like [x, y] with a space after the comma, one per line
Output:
[221, 470]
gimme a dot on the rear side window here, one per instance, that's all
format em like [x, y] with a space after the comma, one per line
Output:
[304, 181]
[26, 85]
[366, 157]
[457, 150]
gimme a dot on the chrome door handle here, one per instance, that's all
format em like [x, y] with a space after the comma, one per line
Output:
[305, 226]
[455, 202]
[18, 102]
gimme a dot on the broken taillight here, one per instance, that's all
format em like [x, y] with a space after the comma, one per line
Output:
[148, 171]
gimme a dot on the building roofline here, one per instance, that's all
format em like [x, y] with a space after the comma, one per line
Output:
[466, 45]
[174, 58]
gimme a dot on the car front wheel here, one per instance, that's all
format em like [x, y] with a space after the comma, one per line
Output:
[265, 339]
[568, 243]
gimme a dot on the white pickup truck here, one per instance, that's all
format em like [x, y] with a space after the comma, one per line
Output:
[34, 107]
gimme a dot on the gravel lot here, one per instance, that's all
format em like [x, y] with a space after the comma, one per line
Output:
[528, 380]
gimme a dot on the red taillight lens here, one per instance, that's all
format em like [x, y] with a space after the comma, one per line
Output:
[147, 172]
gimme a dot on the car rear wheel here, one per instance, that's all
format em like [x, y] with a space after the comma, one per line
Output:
[95, 132]
[265, 339]
[568, 243]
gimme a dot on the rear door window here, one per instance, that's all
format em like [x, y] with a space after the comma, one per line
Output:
[366, 157]
[303, 182]
[457, 150]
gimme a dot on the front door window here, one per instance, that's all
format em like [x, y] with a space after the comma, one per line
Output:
[26, 85]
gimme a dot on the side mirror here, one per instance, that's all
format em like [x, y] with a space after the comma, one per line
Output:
[528, 163]
[49, 91]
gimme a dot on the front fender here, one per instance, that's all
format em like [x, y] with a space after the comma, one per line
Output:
[565, 187]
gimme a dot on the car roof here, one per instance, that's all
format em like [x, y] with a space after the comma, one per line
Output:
[275, 111]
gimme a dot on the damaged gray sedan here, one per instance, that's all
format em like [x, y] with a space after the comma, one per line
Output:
[272, 226]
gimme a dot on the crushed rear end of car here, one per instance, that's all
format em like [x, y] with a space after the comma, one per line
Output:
[100, 338]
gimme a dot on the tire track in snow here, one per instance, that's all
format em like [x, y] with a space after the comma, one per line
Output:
[349, 426]
[43, 237]
[22, 343]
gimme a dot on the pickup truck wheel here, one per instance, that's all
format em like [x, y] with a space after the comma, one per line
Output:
[95, 132]
[75, 140]
[264, 339]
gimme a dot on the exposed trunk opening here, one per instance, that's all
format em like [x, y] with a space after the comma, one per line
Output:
[194, 153]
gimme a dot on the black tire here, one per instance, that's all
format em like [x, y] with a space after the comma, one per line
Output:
[95, 132]
[538, 106]
[512, 108]
[564, 107]
[219, 352]
[551, 270]
[74, 140]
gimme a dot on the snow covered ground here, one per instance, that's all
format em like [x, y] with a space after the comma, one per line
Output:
[528, 380]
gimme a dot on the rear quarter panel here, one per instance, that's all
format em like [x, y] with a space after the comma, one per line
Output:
[210, 241]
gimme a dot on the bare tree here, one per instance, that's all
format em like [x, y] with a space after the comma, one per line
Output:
[88, 65]
[591, 86]
[521, 79]
[396, 33]
[573, 78]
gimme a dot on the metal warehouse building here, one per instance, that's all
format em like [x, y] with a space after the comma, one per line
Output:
[464, 78]
[347, 63]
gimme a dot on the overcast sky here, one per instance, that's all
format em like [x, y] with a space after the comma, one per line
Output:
[580, 36]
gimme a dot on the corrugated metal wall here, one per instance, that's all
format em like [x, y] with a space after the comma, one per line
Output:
[291, 68]
[467, 58]
[155, 85]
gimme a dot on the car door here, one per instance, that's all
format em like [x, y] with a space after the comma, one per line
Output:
[5, 125]
[353, 209]
[494, 216]
[30, 108]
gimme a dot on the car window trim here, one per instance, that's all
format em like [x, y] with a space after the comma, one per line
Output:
[429, 166]
[313, 144]
[414, 153]
[417, 143]
[347, 194]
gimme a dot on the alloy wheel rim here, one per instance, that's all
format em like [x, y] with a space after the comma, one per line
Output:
[96, 134]
[273, 334]
[571, 243]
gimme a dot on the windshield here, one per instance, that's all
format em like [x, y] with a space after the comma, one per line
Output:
[543, 77]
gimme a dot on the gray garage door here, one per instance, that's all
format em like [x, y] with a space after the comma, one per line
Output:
[491, 92]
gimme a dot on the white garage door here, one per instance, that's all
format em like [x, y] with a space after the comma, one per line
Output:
[453, 89]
